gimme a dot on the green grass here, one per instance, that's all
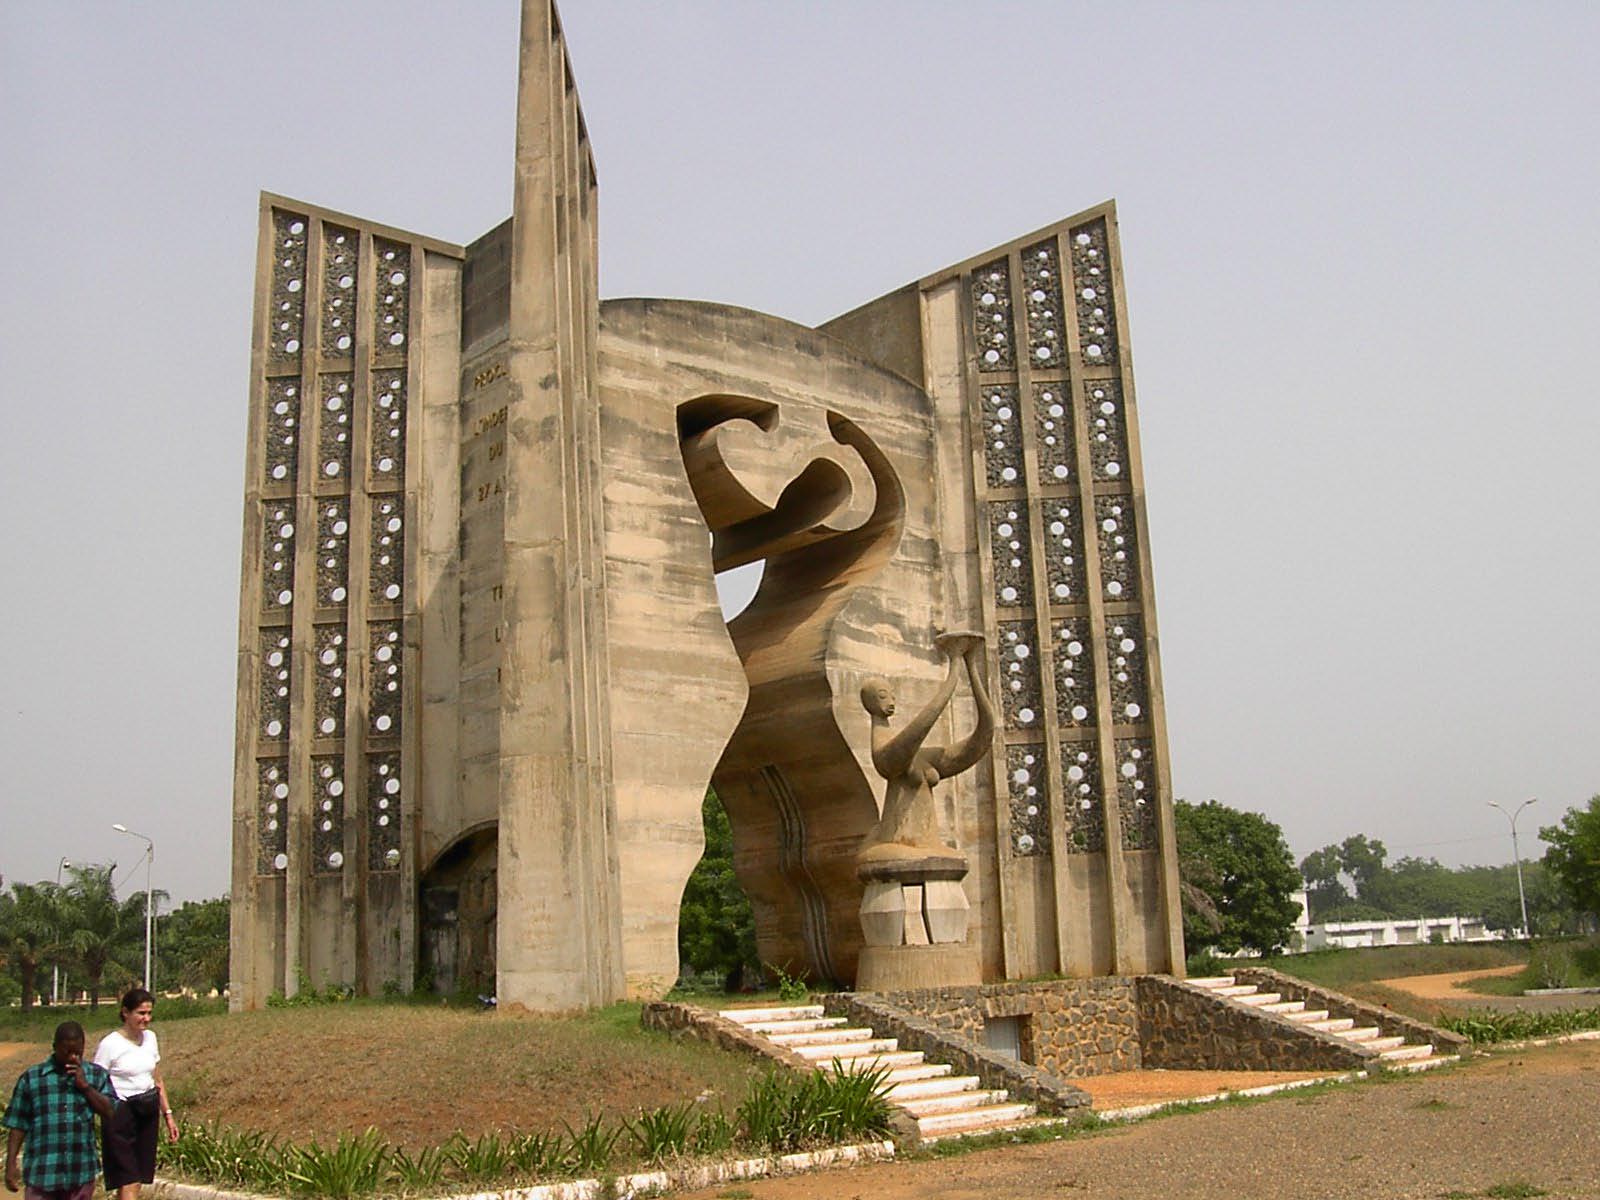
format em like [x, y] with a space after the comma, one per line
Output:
[39, 1023]
[1494, 985]
[1339, 968]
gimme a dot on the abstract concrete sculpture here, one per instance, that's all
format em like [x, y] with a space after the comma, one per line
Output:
[484, 680]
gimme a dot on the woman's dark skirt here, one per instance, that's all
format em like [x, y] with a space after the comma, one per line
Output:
[128, 1141]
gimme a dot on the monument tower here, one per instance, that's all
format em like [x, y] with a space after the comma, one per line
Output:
[484, 680]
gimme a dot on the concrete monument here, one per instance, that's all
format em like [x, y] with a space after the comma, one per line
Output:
[484, 680]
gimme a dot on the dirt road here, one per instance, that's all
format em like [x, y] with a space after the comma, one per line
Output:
[1442, 989]
[1531, 1118]
[1443, 986]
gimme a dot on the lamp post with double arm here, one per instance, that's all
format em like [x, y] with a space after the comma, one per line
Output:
[149, 894]
[1522, 896]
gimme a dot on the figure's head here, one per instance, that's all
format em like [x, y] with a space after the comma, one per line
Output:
[877, 697]
[137, 1006]
[68, 1044]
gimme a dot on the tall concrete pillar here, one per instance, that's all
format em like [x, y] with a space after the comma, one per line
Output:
[558, 930]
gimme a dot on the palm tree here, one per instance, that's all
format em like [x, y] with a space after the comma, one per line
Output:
[30, 929]
[102, 935]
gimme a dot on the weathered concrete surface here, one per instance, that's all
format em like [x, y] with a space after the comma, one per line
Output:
[484, 682]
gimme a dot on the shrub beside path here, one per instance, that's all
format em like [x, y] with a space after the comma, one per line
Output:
[1527, 1118]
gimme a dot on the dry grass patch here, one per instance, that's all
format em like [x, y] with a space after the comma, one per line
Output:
[418, 1074]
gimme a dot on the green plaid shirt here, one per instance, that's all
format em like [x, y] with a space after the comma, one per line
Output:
[59, 1148]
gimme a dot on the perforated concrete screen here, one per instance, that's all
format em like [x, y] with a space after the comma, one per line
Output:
[484, 678]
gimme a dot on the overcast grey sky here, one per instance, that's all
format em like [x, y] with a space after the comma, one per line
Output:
[1363, 269]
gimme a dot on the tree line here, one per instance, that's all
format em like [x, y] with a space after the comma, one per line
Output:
[1238, 875]
[1236, 871]
[95, 940]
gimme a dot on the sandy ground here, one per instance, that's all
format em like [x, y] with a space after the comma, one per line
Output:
[17, 1057]
[1443, 987]
[1125, 1089]
[1528, 1118]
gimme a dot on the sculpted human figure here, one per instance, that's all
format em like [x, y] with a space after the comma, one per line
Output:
[909, 827]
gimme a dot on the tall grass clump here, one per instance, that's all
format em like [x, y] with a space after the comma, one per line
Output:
[1486, 1028]
[663, 1133]
[784, 1112]
[228, 1158]
[352, 1166]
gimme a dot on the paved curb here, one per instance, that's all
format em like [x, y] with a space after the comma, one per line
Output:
[1583, 1035]
[1138, 1111]
[622, 1187]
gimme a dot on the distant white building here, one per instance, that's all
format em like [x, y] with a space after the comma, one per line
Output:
[1419, 931]
[1414, 932]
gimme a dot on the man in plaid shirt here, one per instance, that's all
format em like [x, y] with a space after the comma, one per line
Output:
[51, 1119]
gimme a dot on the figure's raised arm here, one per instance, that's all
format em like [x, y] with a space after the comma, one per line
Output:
[952, 760]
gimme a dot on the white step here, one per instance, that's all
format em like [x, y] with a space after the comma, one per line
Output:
[1213, 981]
[1284, 1007]
[1425, 1064]
[1365, 1033]
[1333, 1025]
[819, 1037]
[974, 1120]
[919, 1072]
[1261, 999]
[774, 1027]
[1236, 990]
[893, 1059]
[1384, 1043]
[954, 1102]
[1412, 1052]
[935, 1085]
[747, 1016]
[865, 1048]
[1308, 1016]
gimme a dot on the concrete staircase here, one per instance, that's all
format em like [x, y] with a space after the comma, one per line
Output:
[1396, 1052]
[943, 1103]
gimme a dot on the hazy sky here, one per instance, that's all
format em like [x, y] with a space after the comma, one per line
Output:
[1363, 268]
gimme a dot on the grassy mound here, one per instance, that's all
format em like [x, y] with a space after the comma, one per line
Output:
[419, 1074]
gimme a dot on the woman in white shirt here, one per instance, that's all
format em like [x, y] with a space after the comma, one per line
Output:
[133, 1059]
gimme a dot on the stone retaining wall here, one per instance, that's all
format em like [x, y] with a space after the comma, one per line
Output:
[1069, 1027]
[968, 1057]
[1389, 1023]
[1184, 1027]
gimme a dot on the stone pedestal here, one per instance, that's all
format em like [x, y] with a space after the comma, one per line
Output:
[914, 917]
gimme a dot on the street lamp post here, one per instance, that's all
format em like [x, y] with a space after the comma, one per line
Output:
[149, 893]
[1516, 854]
[55, 969]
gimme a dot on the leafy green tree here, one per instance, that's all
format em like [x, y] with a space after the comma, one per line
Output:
[192, 945]
[1573, 856]
[1325, 891]
[716, 931]
[103, 935]
[1363, 860]
[30, 931]
[1249, 875]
